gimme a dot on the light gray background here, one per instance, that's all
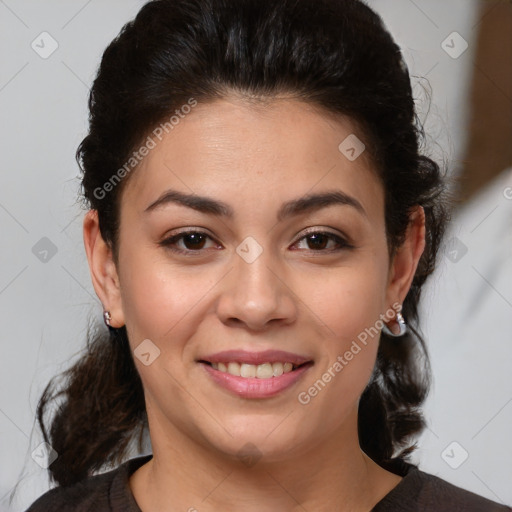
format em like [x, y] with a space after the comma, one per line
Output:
[44, 304]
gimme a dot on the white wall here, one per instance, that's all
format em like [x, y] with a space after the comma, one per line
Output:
[43, 109]
[43, 306]
[466, 308]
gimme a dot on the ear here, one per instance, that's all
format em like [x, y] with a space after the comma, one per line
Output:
[103, 269]
[406, 259]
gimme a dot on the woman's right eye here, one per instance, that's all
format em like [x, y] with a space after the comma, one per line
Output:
[195, 240]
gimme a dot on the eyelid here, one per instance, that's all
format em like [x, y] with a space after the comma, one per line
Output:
[323, 231]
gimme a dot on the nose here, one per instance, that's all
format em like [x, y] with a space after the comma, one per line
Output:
[256, 294]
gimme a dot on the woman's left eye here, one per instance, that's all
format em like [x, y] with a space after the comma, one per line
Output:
[194, 242]
[320, 239]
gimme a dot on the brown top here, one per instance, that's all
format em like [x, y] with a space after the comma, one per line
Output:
[417, 491]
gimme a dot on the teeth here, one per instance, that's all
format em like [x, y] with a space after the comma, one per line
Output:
[277, 369]
[260, 371]
[247, 370]
[264, 371]
[234, 369]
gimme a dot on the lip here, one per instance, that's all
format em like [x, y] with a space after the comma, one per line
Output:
[252, 387]
[267, 356]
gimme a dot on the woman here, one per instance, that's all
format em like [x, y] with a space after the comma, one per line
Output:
[260, 225]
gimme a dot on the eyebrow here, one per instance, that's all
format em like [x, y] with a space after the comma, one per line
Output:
[307, 203]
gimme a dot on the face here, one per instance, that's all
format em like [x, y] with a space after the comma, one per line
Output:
[250, 275]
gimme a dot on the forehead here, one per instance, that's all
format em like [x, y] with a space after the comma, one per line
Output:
[231, 148]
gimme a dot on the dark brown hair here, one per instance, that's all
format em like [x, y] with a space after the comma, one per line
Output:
[334, 54]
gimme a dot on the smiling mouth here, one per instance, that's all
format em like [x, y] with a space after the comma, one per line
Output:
[260, 371]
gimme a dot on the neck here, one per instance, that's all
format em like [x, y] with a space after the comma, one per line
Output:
[332, 475]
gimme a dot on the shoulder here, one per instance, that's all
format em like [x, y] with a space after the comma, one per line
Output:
[442, 495]
[95, 493]
[422, 491]
[88, 494]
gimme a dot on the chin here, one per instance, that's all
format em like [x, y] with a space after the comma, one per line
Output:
[266, 440]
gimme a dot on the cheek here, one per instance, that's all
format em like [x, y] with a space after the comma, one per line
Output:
[349, 309]
[345, 301]
[159, 299]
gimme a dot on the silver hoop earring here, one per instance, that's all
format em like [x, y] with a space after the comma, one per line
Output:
[401, 323]
[107, 317]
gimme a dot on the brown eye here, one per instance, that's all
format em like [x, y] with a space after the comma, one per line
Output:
[194, 241]
[191, 241]
[318, 241]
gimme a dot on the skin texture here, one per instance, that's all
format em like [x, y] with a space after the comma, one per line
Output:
[296, 296]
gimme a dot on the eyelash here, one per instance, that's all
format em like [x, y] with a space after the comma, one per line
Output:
[168, 242]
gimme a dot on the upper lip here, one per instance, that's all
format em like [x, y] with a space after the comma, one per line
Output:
[255, 358]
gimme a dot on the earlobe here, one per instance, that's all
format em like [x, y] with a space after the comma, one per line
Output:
[407, 257]
[102, 268]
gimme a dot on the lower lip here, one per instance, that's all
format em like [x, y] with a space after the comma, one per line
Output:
[252, 387]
